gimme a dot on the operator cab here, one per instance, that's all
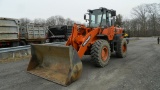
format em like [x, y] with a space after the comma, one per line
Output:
[101, 17]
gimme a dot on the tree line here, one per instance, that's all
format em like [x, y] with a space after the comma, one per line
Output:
[145, 21]
[53, 20]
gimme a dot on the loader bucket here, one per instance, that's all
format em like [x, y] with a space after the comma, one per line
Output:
[60, 64]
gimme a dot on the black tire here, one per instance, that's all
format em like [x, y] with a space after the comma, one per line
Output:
[96, 53]
[121, 48]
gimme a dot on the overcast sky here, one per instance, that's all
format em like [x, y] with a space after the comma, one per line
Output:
[74, 9]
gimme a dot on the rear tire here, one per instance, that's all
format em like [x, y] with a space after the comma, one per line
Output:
[100, 53]
[121, 48]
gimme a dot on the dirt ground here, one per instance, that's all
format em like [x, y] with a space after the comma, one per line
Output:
[140, 70]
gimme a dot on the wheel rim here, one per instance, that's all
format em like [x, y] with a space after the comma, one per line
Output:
[104, 53]
[124, 48]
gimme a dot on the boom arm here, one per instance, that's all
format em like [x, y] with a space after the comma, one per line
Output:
[82, 37]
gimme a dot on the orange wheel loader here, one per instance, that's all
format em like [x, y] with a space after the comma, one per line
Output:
[62, 64]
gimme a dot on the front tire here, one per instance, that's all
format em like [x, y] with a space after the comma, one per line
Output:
[100, 53]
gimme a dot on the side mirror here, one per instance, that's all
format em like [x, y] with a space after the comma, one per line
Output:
[113, 13]
[85, 17]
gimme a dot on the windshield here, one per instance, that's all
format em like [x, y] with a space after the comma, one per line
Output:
[95, 18]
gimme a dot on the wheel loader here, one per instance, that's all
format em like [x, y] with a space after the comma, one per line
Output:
[62, 63]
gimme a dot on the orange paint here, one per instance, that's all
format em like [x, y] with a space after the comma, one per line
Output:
[82, 37]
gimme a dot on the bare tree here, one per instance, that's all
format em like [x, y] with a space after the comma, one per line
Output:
[39, 21]
[24, 21]
[59, 20]
[146, 20]
[55, 20]
[153, 13]
[69, 22]
[51, 21]
[140, 13]
[118, 20]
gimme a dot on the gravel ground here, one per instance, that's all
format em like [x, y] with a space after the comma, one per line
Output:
[140, 70]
